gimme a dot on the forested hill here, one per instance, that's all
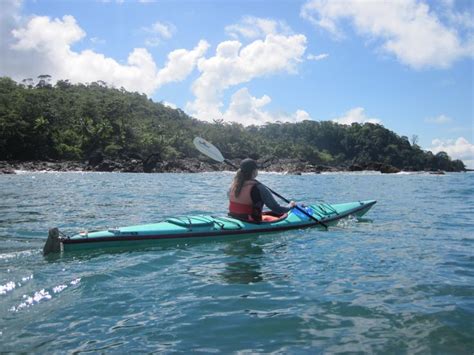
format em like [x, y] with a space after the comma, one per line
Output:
[39, 121]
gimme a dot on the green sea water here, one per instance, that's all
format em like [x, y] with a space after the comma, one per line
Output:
[401, 281]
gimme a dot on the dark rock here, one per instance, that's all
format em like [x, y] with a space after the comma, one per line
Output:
[150, 163]
[6, 168]
[96, 158]
[154, 164]
[7, 171]
[187, 165]
[109, 166]
[266, 162]
[330, 169]
[312, 169]
[132, 166]
[388, 169]
[356, 167]
[374, 166]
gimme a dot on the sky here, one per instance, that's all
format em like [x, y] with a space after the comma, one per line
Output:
[405, 64]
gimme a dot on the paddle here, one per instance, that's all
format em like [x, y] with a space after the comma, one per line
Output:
[212, 152]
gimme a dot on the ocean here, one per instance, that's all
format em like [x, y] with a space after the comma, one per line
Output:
[399, 281]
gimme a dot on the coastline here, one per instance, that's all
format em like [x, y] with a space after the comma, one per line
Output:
[194, 165]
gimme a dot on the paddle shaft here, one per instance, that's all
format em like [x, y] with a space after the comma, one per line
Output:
[284, 199]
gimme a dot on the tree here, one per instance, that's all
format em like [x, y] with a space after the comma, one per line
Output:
[44, 81]
[77, 121]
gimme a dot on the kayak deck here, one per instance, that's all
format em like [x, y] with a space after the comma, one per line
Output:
[205, 226]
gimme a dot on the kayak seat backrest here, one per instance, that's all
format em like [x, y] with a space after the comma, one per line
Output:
[191, 222]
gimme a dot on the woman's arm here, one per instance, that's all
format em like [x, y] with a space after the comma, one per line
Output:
[270, 201]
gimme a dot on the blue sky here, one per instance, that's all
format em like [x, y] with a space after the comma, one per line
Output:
[406, 64]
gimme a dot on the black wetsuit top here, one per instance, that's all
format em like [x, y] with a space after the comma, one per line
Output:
[262, 196]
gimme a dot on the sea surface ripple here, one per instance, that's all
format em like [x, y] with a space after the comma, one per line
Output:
[400, 281]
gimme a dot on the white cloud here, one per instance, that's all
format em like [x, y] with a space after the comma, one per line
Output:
[460, 148]
[234, 64]
[317, 57]
[38, 35]
[300, 115]
[163, 29]
[460, 19]
[441, 119]
[97, 41]
[181, 62]
[249, 110]
[356, 115]
[152, 41]
[169, 104]
[254, 27]
[43, 46]
[157, 32]
[9, 19]
[407, 29]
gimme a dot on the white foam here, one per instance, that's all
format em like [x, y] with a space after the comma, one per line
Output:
[76, 281]
[59, 288]
[32, 172]
[16, 254]
[24, 279]
[9, 286]
[32, 300]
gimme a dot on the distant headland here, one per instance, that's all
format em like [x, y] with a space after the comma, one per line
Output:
[91, 127]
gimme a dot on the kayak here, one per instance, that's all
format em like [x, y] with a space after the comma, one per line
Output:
[206, 227]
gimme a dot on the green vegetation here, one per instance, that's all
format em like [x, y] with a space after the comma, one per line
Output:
[67, 121]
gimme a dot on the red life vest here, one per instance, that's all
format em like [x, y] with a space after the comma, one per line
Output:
[242, 206]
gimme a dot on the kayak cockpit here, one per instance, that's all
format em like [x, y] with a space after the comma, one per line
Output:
[267, 217]
[271, 217]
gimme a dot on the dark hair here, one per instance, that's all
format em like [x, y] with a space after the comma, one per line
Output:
[239, 180]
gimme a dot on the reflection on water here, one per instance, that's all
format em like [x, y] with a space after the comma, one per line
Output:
[246, 269]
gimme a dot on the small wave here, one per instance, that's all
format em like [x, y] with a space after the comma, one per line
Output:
[21, 172]
[32, 172]
[272, 173]
[29, 301]
[9, 286]
[42, 295]
[409, 173]
[223, 171]
[347, 222]
[27, 278]
[59, 288]
[18, 254]
[363, 172]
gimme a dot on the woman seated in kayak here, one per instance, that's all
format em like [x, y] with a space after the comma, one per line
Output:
[247, 196]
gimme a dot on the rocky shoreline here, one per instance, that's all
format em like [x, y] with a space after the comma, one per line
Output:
[187, 165]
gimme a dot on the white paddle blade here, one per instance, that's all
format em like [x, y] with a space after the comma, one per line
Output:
[208, 149]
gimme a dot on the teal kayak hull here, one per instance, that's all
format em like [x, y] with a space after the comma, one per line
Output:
[211, 227]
